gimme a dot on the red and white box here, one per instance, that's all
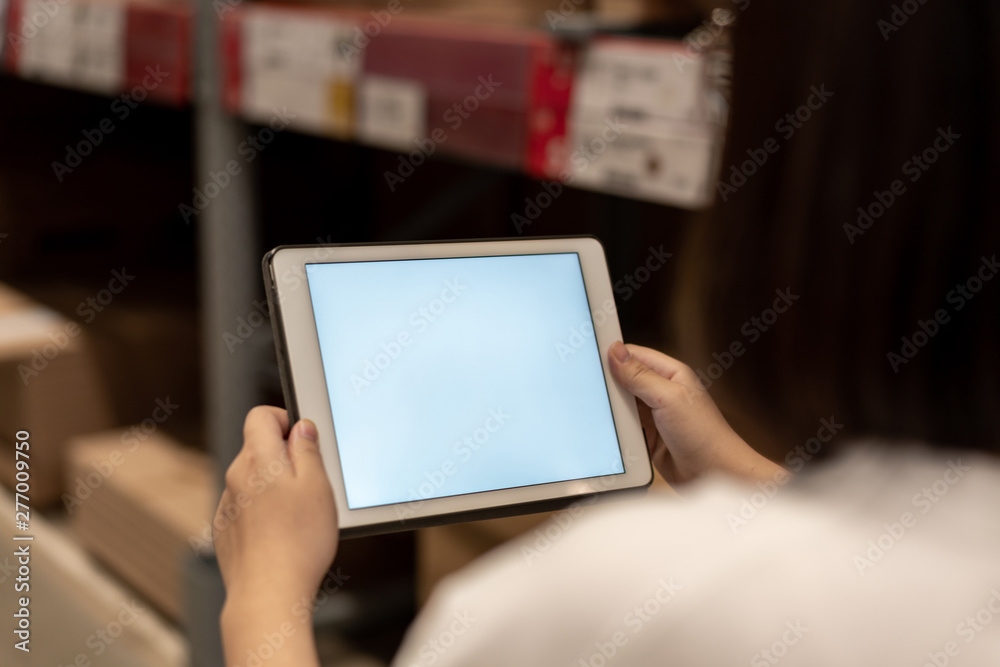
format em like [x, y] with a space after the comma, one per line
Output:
[78, 44]
[104, 46]
[466, 87]
[158, 50]
[292, 58]
[643, 122]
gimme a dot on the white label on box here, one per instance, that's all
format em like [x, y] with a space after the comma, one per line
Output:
[392, 113]
[640, 79]
[302, 63]
[641, 123]
[79, 44]
[308, 47]
[306, 101]
[667, 169]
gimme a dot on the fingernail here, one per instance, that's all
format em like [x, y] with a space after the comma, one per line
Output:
[307, 429]
[620, 351]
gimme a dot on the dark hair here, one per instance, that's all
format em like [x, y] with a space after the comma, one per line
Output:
[906, 79]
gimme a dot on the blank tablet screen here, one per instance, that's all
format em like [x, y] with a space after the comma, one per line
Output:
[460, 375]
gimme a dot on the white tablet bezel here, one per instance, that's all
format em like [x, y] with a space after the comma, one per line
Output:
[306, 392]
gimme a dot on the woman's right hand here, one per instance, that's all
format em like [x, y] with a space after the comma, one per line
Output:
[686, 434]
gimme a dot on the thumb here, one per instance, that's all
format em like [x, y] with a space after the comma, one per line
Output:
[646, 384]
[303, 444]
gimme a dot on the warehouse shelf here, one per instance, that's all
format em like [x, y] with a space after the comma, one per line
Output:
[632, 116]
[139, 49]
[499, 95]
[512, 97]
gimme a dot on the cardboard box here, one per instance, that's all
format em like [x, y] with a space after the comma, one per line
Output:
[138, 508]
[105, 46]
[294, 59]
[553, 72]
[473, 81]
[644, 122]
[49, 386]
[158, 50]
[81, 44]
[416, 82]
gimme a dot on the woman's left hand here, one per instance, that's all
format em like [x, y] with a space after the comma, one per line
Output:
[275, 529]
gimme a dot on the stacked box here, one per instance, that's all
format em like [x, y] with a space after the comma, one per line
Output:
[644, 122]
[137, 505]
[462, 89]
[415, 83]
[158, 50]
[79, 44]
[49, 386]
[553, 71]
[294, 67]
[104, 46]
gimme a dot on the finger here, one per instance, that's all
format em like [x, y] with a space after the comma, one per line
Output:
[647, 385]
[665, 365]
[265, 429]
[303, 446]
[648, 425]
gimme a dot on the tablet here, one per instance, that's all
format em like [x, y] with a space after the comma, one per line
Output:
[453, 381]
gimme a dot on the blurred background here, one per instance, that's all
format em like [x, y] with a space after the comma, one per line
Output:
[152, 151]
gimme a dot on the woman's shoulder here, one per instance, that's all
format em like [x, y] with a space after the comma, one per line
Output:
[852, 550]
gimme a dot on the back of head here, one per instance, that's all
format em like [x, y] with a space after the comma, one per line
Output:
[859, 174]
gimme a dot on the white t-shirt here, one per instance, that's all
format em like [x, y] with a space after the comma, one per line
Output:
[882, 557]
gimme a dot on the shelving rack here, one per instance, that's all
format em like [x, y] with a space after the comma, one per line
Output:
[558, 95]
